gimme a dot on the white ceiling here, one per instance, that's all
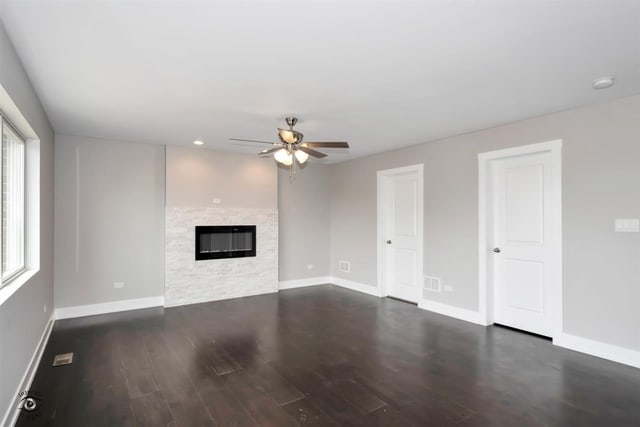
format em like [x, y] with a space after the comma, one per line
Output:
[378, 74]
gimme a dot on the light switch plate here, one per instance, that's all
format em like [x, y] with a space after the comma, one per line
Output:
[627, 225]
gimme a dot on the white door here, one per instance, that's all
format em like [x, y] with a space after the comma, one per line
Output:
[402, 225]
[523, 242]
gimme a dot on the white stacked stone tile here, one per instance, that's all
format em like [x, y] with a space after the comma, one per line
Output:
[188, 281]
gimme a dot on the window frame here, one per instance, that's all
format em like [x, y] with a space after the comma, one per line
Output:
[23, 268]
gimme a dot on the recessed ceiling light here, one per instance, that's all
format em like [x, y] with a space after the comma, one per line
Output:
[603, 82]
[198, 142]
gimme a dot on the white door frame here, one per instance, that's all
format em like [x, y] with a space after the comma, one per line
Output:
[382, 175]
[484, 178]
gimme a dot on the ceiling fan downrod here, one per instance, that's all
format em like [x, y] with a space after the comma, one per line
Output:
[291, 121]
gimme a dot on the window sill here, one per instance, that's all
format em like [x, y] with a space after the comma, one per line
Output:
[15, 284]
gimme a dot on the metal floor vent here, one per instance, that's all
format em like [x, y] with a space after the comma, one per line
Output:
[63, 359]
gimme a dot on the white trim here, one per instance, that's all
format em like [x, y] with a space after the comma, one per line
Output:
[301, 283]
[381, 175]
[484, 288]
[452, 311]
[355, 286]
[599, 349]
[12, 287]
[108, 307]
[27, 379]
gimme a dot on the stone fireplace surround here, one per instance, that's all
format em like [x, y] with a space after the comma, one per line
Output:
[188, 281]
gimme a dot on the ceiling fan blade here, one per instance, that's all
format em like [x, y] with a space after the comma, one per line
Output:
[311, 152]
[337, 144]
[251, 140]
[269, 151]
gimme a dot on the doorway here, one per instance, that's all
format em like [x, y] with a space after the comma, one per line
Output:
[521, 238]
[400, 232]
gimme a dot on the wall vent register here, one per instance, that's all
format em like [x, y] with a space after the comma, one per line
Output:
[225, 241]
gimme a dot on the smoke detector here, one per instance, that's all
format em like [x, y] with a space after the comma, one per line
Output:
[603, 83]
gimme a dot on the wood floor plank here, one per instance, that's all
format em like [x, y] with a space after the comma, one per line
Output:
[262, 408]
[306, 413]
[225, 409]
[274, 384]
[358, 396]
[221, 362]
[140, 382]
[151, 410]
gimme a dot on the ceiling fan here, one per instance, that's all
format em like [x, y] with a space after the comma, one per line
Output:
[291, 149]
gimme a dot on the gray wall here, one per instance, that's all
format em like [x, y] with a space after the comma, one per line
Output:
[22, 318]
[109, 220]
[601, 181]
[196, 176]
[304, 207]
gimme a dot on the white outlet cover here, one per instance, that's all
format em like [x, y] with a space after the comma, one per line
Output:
[309, 266]
[118, 285]
[627, 225]
[448, 288]
[344, 266]
[217, 201]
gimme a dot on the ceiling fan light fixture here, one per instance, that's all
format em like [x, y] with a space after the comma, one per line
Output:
[283, 156]
[301, 156]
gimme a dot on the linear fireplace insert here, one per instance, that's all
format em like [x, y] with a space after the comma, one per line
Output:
[225, 241]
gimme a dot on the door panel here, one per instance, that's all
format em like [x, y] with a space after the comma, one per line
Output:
[404, 207]
[404, 267]
[521, 230]
[526, 285]
[523, 203]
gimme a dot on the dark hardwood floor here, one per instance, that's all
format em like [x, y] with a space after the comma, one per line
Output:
[321, 356]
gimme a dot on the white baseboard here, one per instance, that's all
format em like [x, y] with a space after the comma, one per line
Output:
[11, 416]
[108, 307]
[599, 349]
[355, 286]
[452, 311]
[300, 283]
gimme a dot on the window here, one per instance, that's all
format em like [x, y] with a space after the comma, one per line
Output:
[12, 204]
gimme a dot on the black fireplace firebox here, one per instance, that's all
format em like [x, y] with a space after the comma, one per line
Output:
[225, 241]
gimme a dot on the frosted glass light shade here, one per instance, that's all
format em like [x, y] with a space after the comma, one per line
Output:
[283, 156]
[301, 156]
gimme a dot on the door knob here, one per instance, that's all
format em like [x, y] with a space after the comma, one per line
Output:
[496, 250]
[388, 242]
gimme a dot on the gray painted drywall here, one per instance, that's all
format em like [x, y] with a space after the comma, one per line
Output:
[303, 206]
[117, 229]
[601, 182]
[22, 318]
[196, 176]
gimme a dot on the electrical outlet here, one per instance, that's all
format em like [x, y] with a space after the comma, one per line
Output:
[627, 225]
[344, 266]
[118, 285]
[309, 266]
[216, 201]
[448, 288]
[45, 308]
